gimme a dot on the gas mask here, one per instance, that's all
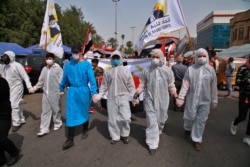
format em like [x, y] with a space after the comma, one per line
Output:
[5, 59]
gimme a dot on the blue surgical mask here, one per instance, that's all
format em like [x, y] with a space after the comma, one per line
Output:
[116, 62]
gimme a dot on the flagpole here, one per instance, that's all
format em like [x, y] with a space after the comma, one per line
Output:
[188, 34]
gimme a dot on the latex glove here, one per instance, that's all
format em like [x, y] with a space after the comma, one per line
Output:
[32, 90]
[96, 98]
[61, 93]
[214, 105]
[135, 102]
[179, 102]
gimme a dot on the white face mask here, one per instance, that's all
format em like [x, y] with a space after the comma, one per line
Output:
[75, 56]
[202, 60]
[156, 62]
[49, 62]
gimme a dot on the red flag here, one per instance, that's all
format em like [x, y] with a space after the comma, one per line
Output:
[87, 42]
[163, 45]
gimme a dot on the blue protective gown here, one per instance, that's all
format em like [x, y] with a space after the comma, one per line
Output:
[77, 76]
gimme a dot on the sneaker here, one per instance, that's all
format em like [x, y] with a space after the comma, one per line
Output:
[14, 159]
[246, 140]
[197, 146]
[23, 121]
[85, 135]
[152, 151]
[233, 129]
[125, 140]
[15, 128]
[228, 96]
[114, 141]
[91, 110]
[42, 133]
[57, 128]
[67, 144]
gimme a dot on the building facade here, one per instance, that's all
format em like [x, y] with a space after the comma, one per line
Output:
[214, 30]
[240, 29]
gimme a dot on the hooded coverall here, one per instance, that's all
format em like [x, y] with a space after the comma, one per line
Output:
[49, 79]
[14, 73]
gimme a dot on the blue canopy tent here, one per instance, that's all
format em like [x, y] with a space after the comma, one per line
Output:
[17, 49]
[36, 49]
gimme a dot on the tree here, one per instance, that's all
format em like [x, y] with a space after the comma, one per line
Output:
[129, 50]
[21, 22]
[112, 42]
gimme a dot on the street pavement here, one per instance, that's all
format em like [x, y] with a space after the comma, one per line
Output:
[219, 147]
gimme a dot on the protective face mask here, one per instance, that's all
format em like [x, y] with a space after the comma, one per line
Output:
[116, 62]
[75, 56]
[156, 62]
[49, 62]
[202, 60]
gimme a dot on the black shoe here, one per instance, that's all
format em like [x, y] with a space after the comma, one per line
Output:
[125, 140]
[84, 135]
[14, 159]
[15, 128]
[67, 144]
[114, 141]
[152, 151]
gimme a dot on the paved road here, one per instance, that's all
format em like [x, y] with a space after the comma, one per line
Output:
[219, 149]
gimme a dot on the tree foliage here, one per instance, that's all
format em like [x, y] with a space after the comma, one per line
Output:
[21, 22]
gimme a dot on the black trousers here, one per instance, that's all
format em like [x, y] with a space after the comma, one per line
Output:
[71, 130]
[5, 143]
[244, 107]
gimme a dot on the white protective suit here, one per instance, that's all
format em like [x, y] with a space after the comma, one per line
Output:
[157, 82]
[49, 80]
[199, 88]
[119, 83]
[14, 73]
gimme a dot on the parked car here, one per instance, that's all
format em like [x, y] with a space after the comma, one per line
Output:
[33, 64]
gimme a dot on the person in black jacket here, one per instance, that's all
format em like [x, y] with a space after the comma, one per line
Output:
[5, 124]
[243, 81]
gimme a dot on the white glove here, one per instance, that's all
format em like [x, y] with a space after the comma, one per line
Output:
[135, 102]
[214, 105]
[179, 102]
[61, 93]
[96, 98]
[32, 90]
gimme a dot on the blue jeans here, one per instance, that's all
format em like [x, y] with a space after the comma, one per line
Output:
[229, 85]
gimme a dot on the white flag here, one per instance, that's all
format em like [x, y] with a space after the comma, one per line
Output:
[165, 18]
[51, 37]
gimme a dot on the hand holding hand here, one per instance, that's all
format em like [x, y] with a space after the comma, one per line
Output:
[61, 94]
[96, 98]
[135, 102]
[31, 90]
[179, 102]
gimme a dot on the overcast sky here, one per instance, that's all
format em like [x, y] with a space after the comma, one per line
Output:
[134, 13]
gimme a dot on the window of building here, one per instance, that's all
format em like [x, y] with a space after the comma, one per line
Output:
[235, 34]
[241, 33]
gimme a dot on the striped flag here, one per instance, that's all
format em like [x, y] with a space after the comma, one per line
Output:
[165, 18]
[51, 38]
[87, 42]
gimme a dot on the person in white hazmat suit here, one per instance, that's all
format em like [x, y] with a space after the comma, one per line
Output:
[199, 88]
[15, 73]
[49, 80]
[156, 82]
[119, 83]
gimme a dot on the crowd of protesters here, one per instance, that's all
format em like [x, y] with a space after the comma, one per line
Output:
[191, 80]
